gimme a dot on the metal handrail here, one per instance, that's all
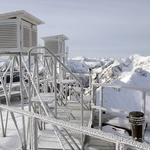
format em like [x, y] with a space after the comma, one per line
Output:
[101, 107]
[56, 130]
[122, 86]
[29, 56]
[118, 140]
[55, 86]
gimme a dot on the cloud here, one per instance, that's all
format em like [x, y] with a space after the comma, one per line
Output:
[100, 27]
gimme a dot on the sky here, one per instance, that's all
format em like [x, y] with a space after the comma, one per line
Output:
[95, 28]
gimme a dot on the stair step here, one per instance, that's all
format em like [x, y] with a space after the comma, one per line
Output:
[77, 89]
[74, 104]
[97, 144]
[48, 139]
[65, 81]
[49, 149]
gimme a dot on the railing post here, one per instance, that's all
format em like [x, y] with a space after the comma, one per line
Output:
[143, 101]
[34, 142]
[2, 123]
[101, 105]
[120, 146]
[45, 83]
[90, 79]
[117, 145]
[55, 86]
[37, 73]
[22, 100]
[94, 88]
[82, 116]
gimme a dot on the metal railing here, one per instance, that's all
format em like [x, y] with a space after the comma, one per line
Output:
[101, 107]
[56, 59]
[118, 140]
[22, 64]
[65, 67]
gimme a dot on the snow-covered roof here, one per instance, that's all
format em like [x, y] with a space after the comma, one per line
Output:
[60, 36]
[23, 14]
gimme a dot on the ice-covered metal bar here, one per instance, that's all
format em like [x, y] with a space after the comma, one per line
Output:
[84, 130]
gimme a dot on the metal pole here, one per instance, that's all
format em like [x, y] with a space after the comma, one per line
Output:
[34, 86]
[6, 123]
[11, 77]
[94, 94]
[120, 146]
[2, 123]
[11, 66]
[143, 101]
[77, 147]
[34, 76]
[29, 95]
[22, 101]
[55, 86]
[143, 105]
[37, 72]
[90, 79]
[82, 142]
[11, 113]
[45, 83]
[34, 142]
[101, 105]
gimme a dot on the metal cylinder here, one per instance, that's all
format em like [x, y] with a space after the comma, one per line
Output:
[136, 119]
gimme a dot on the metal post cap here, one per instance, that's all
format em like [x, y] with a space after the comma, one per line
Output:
[136, 117]
[136, 114]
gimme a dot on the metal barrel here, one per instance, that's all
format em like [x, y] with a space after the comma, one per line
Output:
[136, 119]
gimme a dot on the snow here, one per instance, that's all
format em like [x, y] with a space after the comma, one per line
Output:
[11, 141]
[133, 71]
[114, 130]
[77, 66]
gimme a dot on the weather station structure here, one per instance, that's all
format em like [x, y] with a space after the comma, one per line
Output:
[57, 44]
[18, 43]
[18, 31]
[41, 100]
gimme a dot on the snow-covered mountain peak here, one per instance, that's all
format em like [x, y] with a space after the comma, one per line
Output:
[106, 70]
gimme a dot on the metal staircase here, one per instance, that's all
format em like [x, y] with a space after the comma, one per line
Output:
[53, 100]
[42, 89]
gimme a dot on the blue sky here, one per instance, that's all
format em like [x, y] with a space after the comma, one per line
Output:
[95, 28]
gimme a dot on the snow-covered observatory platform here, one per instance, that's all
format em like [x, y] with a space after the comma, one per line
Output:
[44, 105]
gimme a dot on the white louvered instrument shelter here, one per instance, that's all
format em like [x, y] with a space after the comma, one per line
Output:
[56, 44]
[18, 31]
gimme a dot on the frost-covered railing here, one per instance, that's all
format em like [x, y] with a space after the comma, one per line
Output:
[55, 84]
[118, 140]
[86, 74]
[56, 59]
[101, 107]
